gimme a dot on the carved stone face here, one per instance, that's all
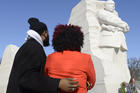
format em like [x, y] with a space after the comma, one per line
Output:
[110, 7]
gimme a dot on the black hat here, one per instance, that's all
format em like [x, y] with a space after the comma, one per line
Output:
[37, 26]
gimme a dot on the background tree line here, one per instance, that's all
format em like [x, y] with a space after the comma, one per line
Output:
[0, 60]
[134, 67]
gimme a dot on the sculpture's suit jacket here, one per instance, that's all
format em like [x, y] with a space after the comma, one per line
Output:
[113, 36]
[27, 74]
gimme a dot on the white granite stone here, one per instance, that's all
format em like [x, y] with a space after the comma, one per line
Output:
[6, 65]
[110, 59]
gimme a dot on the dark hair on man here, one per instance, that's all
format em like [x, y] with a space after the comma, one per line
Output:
[37, 26]
[67, 37]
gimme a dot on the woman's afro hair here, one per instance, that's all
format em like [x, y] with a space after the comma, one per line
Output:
[67, 37]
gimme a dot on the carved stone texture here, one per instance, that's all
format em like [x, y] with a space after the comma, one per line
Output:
[6, 65]
[108, 50]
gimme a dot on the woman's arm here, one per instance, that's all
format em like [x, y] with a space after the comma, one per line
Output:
[91, 76]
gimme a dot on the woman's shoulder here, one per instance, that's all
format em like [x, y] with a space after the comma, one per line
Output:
[69, 53]
[54, 54]
[86, 55]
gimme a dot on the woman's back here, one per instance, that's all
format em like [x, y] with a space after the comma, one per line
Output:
[71, 64]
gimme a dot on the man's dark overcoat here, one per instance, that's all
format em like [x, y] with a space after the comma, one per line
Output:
[27, 74]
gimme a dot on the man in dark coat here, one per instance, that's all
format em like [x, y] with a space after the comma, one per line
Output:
[27, 74]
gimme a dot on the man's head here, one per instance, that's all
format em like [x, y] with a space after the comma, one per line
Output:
[67, 37]
[41, 29]
[110, 5]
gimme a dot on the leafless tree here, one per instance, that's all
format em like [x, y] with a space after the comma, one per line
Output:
[0, 60]
[134, 67]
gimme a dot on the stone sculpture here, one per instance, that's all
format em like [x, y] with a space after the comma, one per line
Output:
[6, 65]
[105, 41]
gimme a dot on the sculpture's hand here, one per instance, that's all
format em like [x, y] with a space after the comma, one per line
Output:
[125, 27]
[119, 29]
[128, 28]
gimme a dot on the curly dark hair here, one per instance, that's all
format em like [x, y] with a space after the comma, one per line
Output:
[67, 37]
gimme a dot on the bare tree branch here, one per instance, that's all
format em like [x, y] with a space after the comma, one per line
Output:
[134, 67]
[0, 60]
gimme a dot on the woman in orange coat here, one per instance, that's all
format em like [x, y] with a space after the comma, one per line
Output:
[68, 61]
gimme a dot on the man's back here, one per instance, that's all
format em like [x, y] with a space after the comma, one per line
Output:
[22, 63]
